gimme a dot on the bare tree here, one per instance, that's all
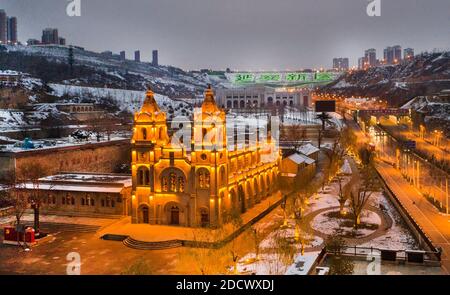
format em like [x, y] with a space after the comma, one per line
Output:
[367, 183]
[257, 237]
[343, 143]
[202, 259]
[13, 195]
[344, 192]
[294, 134]
[31, 173]
[339, 263]
[324, 117]
[236, 222]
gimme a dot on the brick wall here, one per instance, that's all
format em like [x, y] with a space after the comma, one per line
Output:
[104, 157]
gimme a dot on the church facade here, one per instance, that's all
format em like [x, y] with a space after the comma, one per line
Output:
[200, 178]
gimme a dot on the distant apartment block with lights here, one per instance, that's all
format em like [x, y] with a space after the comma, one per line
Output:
[341, 64]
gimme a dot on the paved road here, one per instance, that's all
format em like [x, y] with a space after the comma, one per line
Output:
[402, 131]
[435, 224]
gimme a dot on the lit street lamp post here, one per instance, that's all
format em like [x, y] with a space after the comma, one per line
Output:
[446, 195]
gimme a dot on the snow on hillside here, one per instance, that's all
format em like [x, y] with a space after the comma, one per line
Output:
[126, 100]
[11, 118]
[426, 74]
[166, 79]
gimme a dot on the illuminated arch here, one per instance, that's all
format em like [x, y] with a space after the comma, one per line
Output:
[143, 176]
[173, 180]
[203, 178]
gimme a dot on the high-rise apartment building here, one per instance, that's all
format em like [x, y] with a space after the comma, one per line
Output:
[341, 64]
[371, 57]
[408, 53]
[137, 56]
[362, 63]
[155, 58]
[397, 54]
[50, 36]
[12, 30]
[3, 27]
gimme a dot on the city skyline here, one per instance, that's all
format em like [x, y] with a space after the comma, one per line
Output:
[146, 26]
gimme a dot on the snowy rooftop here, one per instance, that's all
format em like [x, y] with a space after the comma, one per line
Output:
[303, 264]
[90, 178]
[82, 182]
[299, 159]
[9, 73]
[308, 149]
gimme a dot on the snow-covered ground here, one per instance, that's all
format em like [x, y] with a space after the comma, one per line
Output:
[11, 119]
[63, 142]
[271, 261]
[398, 237]
[330, 226]
[126, 100]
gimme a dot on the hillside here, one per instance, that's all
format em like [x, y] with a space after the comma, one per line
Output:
[426, 74]
[32, 103]
[51, 64]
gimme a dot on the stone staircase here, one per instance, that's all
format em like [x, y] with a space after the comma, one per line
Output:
[139, 245]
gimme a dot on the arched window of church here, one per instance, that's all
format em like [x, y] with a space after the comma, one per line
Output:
[172, 182]
[203, 178]
[143, 176]
[140, 176]
[146, 177]
[222, 175]
[144, 134]
[165, 184]
[207, 179]
[181, 184]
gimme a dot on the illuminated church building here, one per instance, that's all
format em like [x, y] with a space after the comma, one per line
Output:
[202, 185]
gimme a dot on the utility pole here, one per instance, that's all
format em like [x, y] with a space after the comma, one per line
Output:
[446, 194]
[418, 174]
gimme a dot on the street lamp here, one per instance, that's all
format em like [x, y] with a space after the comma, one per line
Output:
[422, 132]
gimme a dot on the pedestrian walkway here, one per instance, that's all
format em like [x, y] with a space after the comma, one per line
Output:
[435, 225]
[163, 233]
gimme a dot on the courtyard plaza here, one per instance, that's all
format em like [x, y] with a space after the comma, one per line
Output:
[161, 233]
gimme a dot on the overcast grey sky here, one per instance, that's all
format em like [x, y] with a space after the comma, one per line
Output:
[240, 34]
